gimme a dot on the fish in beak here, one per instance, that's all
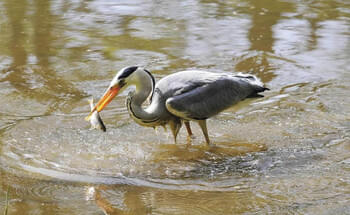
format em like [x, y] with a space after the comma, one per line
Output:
[95, 119]
[105, 100]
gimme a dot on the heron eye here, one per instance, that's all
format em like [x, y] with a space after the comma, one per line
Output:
[122, 82]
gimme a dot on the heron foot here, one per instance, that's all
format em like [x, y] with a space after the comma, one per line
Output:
[190, 138]
[175, 126]
[210, 144]
[203, 125]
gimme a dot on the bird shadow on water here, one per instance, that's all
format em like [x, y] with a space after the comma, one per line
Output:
[216, 151]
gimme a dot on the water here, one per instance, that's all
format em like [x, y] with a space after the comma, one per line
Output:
[286, 153]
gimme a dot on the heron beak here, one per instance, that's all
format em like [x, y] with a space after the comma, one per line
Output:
[105, 100]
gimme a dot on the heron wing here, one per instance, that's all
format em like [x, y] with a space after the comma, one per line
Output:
[204, 99]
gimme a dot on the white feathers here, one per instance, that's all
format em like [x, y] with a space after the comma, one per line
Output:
[252, 79]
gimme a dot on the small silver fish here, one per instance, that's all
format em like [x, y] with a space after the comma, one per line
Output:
[95, 119]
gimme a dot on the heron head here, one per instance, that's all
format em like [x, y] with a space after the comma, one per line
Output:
[120, 82]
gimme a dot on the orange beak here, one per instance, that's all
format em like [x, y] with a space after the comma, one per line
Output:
[105, 100]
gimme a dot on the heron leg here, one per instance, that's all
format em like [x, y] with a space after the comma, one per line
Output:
[188, 128]
[175, 126]
[203, 125]
[189, 131]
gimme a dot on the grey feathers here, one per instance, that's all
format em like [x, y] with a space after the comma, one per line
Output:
[198, 95]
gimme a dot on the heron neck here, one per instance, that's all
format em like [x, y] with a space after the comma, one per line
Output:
[144, 88]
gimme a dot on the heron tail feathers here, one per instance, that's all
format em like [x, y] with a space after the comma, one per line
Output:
[258, 90]
[255, 82]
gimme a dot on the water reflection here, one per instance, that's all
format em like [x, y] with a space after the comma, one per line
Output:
[132, 200]
[42, 32]
[264, 15]
[16, 12]
[39, 82]
[316, 16]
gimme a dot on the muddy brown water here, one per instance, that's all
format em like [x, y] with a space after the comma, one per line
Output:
[286, 153]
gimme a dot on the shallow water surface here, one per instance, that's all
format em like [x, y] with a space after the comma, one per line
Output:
[285, 153]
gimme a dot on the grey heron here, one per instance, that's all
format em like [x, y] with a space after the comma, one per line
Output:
[180, 97]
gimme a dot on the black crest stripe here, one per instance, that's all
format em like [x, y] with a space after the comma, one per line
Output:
[128, 71]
